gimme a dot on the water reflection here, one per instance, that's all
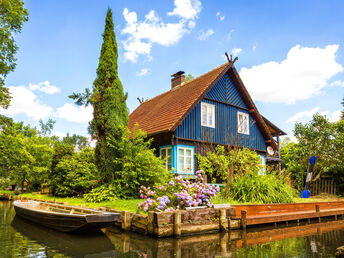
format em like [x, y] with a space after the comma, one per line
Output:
[21, 238]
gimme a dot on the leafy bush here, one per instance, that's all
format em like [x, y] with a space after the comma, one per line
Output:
[4, 183]
[140, 166]
[220, 162]
[74, 174]
[265, 188]
[178, 194]
[102, 193]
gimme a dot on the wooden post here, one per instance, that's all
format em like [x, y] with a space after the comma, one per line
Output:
[317, 208]
[150, 223]
[243, 219]
[177, 221]
[223, 221]
[126, 220]
[223, 243]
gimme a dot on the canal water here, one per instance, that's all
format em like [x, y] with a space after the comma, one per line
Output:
[20, 238]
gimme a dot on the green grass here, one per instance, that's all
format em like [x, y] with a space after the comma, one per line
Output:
[4, 191]
[124, 205]
[319, 198]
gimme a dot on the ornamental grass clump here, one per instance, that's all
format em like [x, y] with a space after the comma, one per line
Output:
[264, 188]
[178, 194]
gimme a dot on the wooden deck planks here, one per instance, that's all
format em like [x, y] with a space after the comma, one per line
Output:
[271, 213]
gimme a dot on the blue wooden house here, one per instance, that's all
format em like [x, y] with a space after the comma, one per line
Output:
[212, 109]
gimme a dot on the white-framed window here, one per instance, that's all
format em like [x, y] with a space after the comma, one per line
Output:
[208, 115]
[167, 153]
[243, 123]
[185, 160]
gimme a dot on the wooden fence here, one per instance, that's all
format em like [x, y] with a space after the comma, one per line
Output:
[323, 186]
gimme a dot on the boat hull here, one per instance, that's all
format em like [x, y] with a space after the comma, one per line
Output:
[67, 222]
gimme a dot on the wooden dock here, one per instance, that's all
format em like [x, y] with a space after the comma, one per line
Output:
[257, 214]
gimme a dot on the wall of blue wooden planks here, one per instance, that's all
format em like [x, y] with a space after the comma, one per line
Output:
[225, 131]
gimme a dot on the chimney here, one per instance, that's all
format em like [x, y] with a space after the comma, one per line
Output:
[178, 79]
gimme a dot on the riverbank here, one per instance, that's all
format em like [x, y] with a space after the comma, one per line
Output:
[131, 205]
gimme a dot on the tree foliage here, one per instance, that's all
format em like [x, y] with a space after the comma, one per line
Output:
[12, 16]
[321, 138]
[25, 154]
[110, 113]
[225, 164]
[75, 173]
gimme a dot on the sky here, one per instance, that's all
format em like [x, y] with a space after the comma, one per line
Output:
[290, 54]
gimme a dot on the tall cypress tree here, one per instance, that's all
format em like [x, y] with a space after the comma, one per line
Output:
[110, 113]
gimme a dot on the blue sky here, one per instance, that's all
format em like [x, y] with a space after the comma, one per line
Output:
[290, 54]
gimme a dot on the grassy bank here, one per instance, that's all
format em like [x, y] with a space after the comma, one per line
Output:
[124, 205]
[131, 205]
[318, 198]
[3, 191]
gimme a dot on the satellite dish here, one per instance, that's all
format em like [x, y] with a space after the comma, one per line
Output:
[270, 150]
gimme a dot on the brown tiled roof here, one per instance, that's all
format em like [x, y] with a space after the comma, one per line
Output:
[165, 111]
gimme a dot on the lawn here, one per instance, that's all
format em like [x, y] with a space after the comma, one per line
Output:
[131, 205]
[125, 205]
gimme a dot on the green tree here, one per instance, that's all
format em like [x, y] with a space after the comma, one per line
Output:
[140, 165]
[224, 164]
[78, 141]
[321, 138]
[189, 77]
[12, 16]
[342, 117]
[75, 174]
[26, 155]
[110, 113]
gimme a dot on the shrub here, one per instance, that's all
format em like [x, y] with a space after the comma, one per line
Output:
[140, 166]
[178, 194]
[4, 183]
[75, 174]
[266, 188]
[220, 162]
[102, 193]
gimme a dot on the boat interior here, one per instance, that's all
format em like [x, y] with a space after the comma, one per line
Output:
[59, 208]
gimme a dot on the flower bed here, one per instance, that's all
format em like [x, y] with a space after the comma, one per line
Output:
[178, 194]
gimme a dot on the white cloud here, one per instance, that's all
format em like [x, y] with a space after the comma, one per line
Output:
[254, 47]
[236, 51]
[229, 36]
[337, 83]
[221, 17]
[24, 101]
[332, 117]
[303, 74]
[206, 34]
[308, 114]
[187, 9]
[142, 34]
[153, 30]
[143, 72]
[302, 115]
[191, 24]
[335, 116]
[59, 134]
[75, 114]
[45, 87]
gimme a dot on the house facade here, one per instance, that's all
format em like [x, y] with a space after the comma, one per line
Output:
[193, 117]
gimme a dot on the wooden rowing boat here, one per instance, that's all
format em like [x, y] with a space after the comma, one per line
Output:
[63, 217]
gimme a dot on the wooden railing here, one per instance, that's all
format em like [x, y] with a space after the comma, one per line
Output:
[323, 186]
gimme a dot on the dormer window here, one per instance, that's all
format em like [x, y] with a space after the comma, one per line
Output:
[243, 123]
[208, 115]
